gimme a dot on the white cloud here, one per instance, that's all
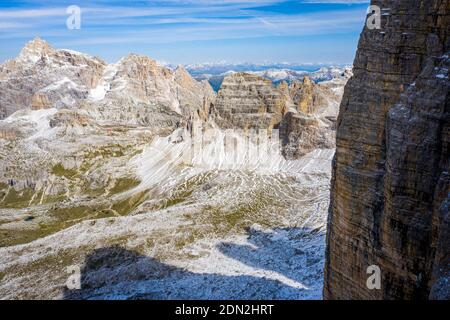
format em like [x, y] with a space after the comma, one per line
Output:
[13, 25]
[207, 20]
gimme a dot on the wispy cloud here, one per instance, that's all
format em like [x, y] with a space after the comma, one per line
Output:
[13, 26]
[173, 21]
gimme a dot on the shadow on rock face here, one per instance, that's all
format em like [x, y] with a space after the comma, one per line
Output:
[117, 273]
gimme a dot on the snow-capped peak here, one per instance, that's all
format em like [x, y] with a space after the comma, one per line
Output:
[35, 50]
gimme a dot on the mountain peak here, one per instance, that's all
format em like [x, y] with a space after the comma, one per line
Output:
[307, 81]
[183, 77]
[180, 68]
[140, 59]
[181, 71]
[35, 49]
[38, 41]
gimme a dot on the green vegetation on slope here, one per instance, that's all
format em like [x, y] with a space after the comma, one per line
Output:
[60, 171]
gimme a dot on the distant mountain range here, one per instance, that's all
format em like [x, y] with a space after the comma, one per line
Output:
[276, 72]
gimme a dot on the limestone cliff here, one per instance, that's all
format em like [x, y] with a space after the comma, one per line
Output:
[134, 91]
[301, 134]
[42, 77]
[248, 101]
[304, 112]
[306, 95]
[311, 123]
[390, 187]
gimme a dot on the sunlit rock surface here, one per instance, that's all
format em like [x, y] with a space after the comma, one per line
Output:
[121, 170]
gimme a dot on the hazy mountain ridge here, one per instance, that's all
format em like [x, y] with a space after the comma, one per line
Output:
[276, 72]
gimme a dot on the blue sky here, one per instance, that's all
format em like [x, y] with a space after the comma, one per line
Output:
[192, 31]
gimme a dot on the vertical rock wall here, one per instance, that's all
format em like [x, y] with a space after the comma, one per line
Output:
[390, 188]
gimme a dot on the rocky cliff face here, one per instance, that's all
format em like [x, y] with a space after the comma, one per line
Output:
[306, 95]
[41, 77]
[304, 112]
[301, 134]
[135, 90]
[311, 123]
[248, 101]
[390, 187]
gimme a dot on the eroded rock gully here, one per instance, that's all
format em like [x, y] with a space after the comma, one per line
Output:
[390, 188]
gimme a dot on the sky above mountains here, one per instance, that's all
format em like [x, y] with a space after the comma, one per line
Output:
[191, 31]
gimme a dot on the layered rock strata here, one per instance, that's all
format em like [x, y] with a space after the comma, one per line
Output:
[390, 187]
[248, 101]
[304, 112]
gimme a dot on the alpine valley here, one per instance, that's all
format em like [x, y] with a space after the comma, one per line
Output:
[95, 179]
